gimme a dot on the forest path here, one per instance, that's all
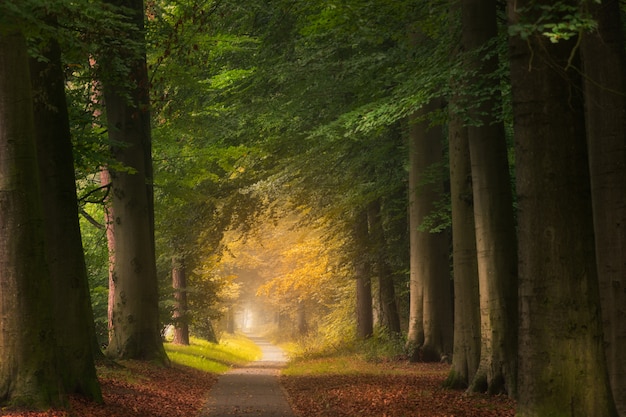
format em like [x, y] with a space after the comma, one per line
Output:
[252, 390]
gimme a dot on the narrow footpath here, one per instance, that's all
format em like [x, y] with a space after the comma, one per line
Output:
[253, 390]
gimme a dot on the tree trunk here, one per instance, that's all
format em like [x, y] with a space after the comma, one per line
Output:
[417, 239]
[388, 315]
[430, 316]
[73, 314]
[362, 271]
[604, 66]
[466, 354]
[135, 332]
[303, 326]
[179, 283]
[230, 320]
[562, 366]
[29, 369]
[105, 181]
[493, 208]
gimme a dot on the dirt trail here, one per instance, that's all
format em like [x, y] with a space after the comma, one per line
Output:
[253, 390]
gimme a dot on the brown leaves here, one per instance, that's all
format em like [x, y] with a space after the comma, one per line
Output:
[414, 394]
[144, 390]
[140, 390]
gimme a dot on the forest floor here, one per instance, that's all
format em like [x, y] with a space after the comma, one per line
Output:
[145, 390]
[398, 389]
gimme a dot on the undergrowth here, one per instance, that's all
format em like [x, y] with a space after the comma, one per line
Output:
[317, 355]
[212, 357]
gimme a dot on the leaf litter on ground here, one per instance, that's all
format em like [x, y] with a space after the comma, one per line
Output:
[140, 389]
[410, 390]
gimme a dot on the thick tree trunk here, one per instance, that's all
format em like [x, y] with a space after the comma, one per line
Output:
[388, 315]
[562, 365]
[493, 208]
[29, 368]
[430, 317]
[135, 331]
[134, 321]
[362, 271]
[604, 66]
[73, 314]
[466, 354]
[179, 283]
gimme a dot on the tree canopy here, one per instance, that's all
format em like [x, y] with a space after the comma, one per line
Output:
[293, 158]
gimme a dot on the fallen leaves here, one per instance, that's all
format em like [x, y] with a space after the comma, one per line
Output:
[140, 389]
[416, 394]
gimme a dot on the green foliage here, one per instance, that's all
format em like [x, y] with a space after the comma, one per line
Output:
[97, 262]
[348, 358]
[266, 107]
[214, 358]
[383, 346]
[558, 21]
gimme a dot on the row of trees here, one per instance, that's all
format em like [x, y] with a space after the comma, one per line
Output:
[516, 92]
[48, 335]
[355, 114]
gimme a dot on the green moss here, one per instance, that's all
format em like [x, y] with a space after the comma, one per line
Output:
[455, 381]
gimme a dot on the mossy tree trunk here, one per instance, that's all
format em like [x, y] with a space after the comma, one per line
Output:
[74, 325]
[604, 66]
[29, 369]
[562, 365]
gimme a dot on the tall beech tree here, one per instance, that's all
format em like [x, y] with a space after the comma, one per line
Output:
[179, 283]
[73, 314]
[492, 202]
[604, 69]
[134, 327]
[562, 366]
[430, 316]
[389, 317]
[29, 369]
[466, 352]
[363, 275]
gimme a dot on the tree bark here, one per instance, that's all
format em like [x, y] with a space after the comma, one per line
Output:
[604, 66]
[562, 366]
[301, 321]
[105, 181]
[179, 283]
[430, 317]
[362, 271]
[135, 324]
[230, 320]
[389, 317]
[29, 369]
[466, 353]
[493, 206]
[73, 314]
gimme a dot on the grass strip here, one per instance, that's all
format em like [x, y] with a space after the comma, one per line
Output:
[233, 350]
